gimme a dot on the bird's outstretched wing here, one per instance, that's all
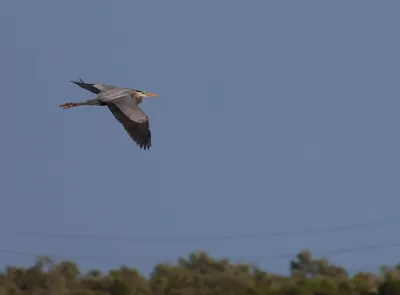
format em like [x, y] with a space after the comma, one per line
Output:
[94, 88]
[134, 120]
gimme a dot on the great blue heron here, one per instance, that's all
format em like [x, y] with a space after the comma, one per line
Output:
[123, 104]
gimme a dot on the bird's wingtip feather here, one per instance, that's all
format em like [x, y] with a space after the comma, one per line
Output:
[77, 81]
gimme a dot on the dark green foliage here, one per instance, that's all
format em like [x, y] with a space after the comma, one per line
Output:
[199, 274]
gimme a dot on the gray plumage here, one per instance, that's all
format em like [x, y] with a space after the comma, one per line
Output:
[124, 105]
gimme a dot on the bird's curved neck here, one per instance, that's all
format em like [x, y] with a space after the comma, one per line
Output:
[136, 97]
[139, 99]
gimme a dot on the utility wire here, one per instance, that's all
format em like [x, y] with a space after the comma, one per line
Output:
[138, 238]
[323, 253]
[337, 251]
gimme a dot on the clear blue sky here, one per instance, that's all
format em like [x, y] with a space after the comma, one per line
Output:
[273, 116]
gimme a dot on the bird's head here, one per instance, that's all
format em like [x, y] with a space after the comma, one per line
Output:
[145, 94]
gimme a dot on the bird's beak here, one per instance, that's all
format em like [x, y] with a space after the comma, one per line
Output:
[151, 94]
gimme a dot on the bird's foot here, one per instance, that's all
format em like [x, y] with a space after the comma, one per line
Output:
[67, 105]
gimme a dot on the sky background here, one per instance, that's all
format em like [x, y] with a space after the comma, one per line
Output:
[273, 116]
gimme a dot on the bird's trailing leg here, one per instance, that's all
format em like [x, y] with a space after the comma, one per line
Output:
[90, 102]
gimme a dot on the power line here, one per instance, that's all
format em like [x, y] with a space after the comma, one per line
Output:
[337, 251]
[310, 231]
[323, 253]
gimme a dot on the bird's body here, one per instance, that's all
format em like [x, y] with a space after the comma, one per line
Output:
[123, 104]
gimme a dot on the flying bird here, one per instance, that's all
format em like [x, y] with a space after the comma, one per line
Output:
[124, 105]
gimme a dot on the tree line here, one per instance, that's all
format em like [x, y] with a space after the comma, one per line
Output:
[198, 274]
